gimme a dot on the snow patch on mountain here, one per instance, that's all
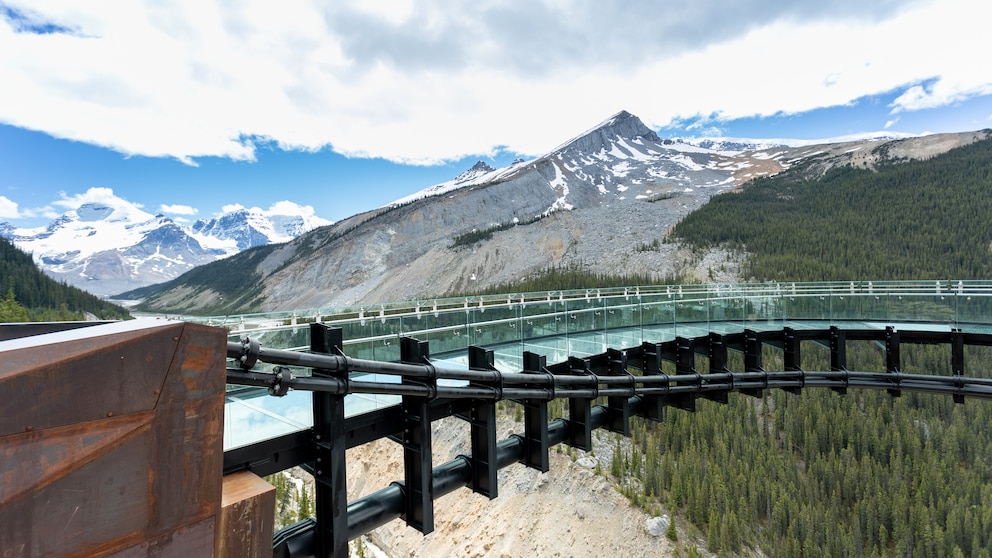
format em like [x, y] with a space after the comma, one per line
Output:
[112, 245]
[480, 173]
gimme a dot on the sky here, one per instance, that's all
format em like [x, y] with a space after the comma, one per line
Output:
[188, 107]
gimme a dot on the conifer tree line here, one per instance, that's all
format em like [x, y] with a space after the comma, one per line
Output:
[823, 474]
[30, 295]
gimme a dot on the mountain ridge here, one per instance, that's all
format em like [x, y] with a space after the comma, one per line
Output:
[595, 201]
[111, 246]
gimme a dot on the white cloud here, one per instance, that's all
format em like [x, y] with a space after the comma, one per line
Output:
[231, 208]
[93, 195]
[178, 209]
[101, 196]
[8, 209]
[287, 207]
[891, 123]
[424, 81]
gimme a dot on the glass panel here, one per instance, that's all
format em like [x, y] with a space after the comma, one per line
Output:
[584, 315]
[542, 319]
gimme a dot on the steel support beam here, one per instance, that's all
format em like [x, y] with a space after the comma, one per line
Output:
[717, 354]
[579, 410]
[654, 406]
[957, 362]
[417, 465]
[536, 445]
[792, 358]
[482, 425]
[838, 355]
[618, 407]
[685, 364]
[329, 467]
[892, 359]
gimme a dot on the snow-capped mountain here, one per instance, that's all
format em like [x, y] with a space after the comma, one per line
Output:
[480, 173]
[619, 159]
[248, 228]
[114, 246]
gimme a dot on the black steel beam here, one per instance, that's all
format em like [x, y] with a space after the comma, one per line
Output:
[580, 408]
[618, 406]
[536, 444]
[482, 429]
[416, 437]
[329, 467]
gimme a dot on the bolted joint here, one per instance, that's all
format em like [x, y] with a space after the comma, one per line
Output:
[283, 379]
[250, 349]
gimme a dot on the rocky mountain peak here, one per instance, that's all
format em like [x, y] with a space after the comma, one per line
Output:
[621, 126]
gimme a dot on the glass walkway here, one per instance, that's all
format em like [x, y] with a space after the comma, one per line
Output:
[580, 323]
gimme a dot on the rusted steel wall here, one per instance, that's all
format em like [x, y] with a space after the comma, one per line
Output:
[111, 441]
[247, 517]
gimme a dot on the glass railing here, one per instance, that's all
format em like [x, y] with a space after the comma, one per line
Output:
[583, 322]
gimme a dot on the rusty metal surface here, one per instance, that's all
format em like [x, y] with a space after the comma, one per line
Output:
[111, 437]
[247, 518]
[81, 376]
[187, 541]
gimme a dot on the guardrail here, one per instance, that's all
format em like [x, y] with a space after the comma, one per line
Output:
[685, 322]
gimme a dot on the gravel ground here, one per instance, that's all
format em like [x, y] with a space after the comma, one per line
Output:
[569, 511]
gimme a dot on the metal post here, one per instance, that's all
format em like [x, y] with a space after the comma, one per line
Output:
[838, 355]
[957, 362]
[792, 357]
[482, 426]
[579, 411]
[654, 406]
[330, 471]
[685, 363]
[417, 464]
[536, 443]
[892, 358]
[618, 407]
[718, 365]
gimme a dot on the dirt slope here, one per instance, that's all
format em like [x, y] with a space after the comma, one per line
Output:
[568, 511]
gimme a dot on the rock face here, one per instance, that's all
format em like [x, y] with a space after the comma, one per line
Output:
[603, 200]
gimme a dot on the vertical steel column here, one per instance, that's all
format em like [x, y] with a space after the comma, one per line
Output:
[417, 464]
[957, 361]
[685, 364]
[654, 405]
[536, 444]
[892, 358]
[792, 357]
[330, 471]
[838, 355]
[618, 407]
[580, 410]
[482, 427]
[718, 365]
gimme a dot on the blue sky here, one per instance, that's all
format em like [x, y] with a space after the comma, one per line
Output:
[185, 108]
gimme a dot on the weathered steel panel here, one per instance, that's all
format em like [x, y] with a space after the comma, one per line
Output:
[247, 517]
[188, 541]
[81, 375]
[111, 438]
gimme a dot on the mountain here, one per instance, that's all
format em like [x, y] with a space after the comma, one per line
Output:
[603, 200]
[109, 247]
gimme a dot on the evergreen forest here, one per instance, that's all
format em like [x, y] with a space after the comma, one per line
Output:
[824, 474]
[928, 219]
[30, 295]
